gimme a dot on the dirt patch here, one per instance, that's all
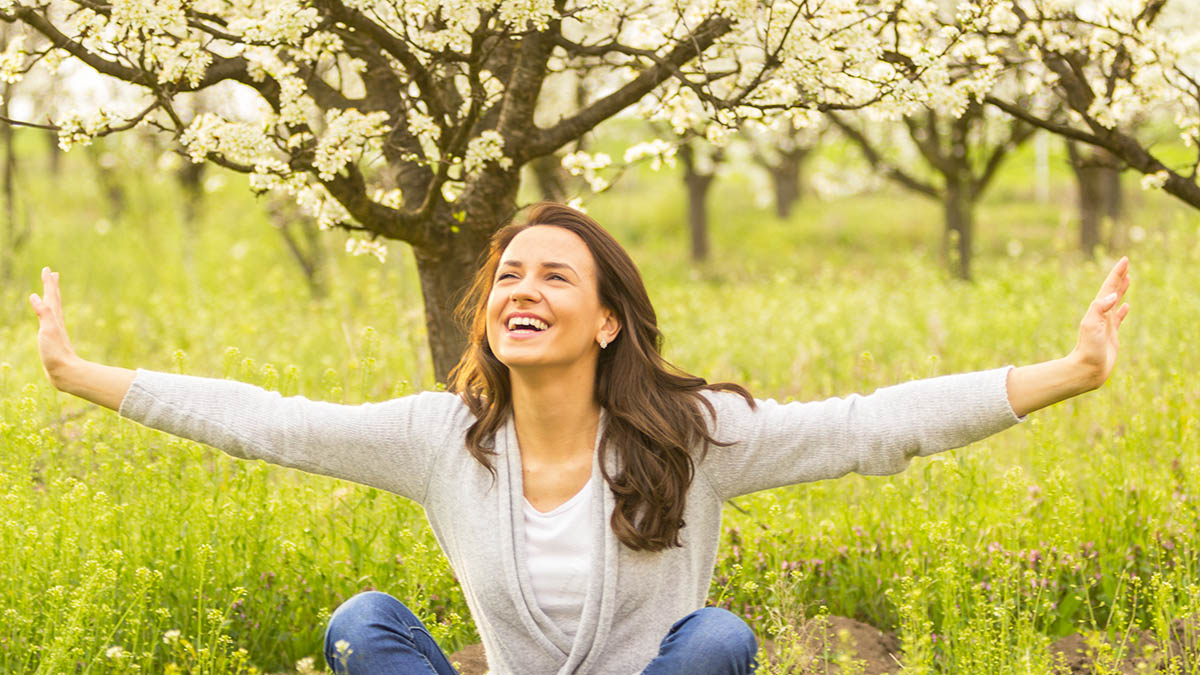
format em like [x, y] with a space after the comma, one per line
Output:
[831, 644]
[470, 660]
[1139, 652]
[819, 646]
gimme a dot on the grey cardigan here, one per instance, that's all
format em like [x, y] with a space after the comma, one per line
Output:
[415, 447]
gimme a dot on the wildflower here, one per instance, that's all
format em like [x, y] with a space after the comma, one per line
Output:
[115, 652]
[171, 636]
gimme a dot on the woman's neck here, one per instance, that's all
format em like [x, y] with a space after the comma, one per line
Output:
[556, 415]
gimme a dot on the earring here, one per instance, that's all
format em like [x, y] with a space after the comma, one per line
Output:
[603, 343]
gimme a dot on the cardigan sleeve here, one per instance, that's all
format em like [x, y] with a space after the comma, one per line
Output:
[775, 444]
[389, 445]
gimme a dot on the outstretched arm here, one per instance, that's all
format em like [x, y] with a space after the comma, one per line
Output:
[1089, 364]
[775, 444]
[100, 384]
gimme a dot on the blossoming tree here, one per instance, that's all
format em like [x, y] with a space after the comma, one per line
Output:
[411, 120]
[1104, 68]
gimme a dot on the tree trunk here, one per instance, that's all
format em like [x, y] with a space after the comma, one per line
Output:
[697, 185]
[307, 252]
[959, 212]
[446, 274]
[15, 237]
[447, 267]
[551, 179]
[697, 188]
[785, 177]
[191, 181]
[108, 177]
[1099, 181]
[56, 153]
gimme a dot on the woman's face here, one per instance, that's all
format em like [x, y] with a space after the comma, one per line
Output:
[544, 309]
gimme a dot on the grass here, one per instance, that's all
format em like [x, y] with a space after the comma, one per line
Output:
[129, 551]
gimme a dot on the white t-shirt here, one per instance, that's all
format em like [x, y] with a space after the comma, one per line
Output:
[558, 550]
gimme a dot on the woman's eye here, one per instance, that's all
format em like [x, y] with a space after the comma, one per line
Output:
[559, 277]
[506, 275]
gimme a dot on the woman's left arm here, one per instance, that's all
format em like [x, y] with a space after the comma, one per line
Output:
[773, 444]
[1088, 365]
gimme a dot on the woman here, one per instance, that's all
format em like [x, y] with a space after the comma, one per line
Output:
[572, 477]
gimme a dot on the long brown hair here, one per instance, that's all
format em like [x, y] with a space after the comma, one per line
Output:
[655, 411]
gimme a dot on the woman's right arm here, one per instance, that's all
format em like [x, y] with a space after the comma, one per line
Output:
[390, 445]
[100, 384]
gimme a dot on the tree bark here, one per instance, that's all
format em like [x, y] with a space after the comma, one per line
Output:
[55, 153]
[698, 185]
[785, 178]
[191, 180]
[959, 208]
[15, 238]
[108, 178]
[447, 267]
[1098, 177]
[697, 189]
[446, 274]
[551, 179]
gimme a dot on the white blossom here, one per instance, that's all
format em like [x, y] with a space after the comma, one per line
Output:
[486, 147]
[357, 247]
[347, 133]
[1155, 181]
[660, 152]
[12, 60]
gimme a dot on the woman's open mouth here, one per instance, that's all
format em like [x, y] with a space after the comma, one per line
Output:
[525, 326]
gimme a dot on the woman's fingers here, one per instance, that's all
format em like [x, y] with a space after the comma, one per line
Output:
[1117, 280]
[1122, 313]
[55, 295]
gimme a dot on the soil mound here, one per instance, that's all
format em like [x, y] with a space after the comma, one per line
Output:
[827, 644]
[470, 660]
[819, 646]
[1139, 652]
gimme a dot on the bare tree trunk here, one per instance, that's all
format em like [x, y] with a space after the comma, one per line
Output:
[107, 176]
[1098, 177]
[698, 185]
[16, 235]
[191, 180]
[447, 267]
[56, 153]
[959, 209]
[550, 177]
[308, 252]
[785, 177]
[445, 275]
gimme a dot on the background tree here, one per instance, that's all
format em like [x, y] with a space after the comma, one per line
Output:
[436, 106]
[1101, 199]
[700, 160]
[781, 149]
[1110, 66]
[957, 157]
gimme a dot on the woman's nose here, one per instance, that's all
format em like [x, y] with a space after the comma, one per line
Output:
[524, 290]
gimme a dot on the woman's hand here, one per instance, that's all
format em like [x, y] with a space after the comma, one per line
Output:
[1089, 363]
[100, 384]
[1096, 349]
[53, 344]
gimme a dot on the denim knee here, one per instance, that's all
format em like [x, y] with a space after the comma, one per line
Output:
[728, 637]
[355, 618]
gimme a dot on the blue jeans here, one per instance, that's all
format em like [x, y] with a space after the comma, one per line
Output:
[380, 636]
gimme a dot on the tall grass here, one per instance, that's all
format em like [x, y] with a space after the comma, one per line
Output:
[126, 550]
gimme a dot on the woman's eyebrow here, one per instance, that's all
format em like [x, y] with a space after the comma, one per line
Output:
[546, 265]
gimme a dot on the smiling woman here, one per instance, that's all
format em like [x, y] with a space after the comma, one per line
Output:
[574, 478]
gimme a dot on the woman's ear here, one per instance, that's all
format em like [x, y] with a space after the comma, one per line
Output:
[609, 329]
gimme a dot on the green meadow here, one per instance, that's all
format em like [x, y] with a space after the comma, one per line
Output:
[126, 550]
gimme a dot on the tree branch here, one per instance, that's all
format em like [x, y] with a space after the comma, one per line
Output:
[564, 131]
[880, 164]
